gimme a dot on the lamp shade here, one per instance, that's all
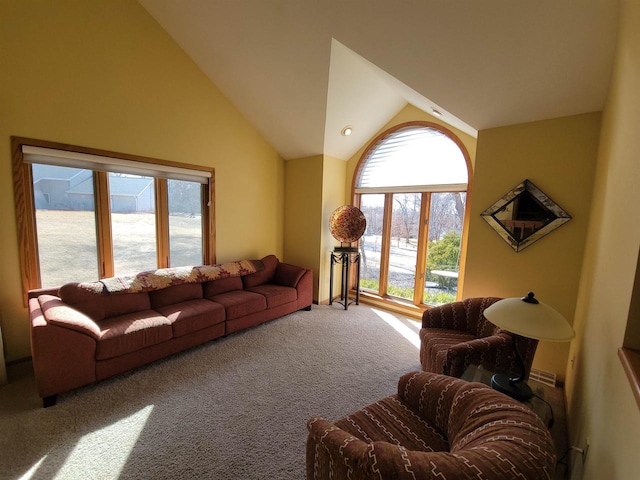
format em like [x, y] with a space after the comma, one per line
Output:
[530, 318]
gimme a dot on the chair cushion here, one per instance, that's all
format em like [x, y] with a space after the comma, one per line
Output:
[131, 332]
[240, 303]
[276, 295]
[392, 420]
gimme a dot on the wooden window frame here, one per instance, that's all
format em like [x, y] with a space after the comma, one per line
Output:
[416, 304]
[629, 353]
[26, 219]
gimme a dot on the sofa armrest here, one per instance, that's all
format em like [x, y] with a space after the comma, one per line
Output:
[57, 312]
[288, 275]
[63, 357]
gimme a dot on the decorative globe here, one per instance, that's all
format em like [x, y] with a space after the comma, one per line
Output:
[347, 224]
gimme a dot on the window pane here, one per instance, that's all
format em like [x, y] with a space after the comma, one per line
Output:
[370, 244]
[405, 222]
[133, 223]
[443, 254]
[414, 156]
[185, 223]
[65, 224]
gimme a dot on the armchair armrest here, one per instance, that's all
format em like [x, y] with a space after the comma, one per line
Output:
[332, 452]
[491, 350]
[430, 394]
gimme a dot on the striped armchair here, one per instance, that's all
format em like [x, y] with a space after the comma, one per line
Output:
[457, 335]
[436, 427]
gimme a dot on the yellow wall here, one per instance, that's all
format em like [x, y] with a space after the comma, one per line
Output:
[334, 171]
[303, 214]
[314, 189]
[601, 406]
[559, 157]
[103, 74]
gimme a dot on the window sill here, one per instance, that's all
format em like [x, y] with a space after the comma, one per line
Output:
[392, 304]
[630, 359]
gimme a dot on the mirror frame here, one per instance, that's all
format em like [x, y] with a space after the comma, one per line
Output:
[488, 215]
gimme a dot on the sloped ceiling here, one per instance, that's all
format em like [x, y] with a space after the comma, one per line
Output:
[300, 70]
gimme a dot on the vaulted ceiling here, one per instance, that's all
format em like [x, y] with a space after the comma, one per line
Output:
[301, 70]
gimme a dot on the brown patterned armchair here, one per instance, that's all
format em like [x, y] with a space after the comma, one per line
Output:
[436, 427]
[456, 335]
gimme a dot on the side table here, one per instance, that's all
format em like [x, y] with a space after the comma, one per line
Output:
[345, 258]
[537, 403]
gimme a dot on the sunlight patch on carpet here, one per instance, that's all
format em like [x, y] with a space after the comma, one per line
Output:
[33, 470]
[399, 327]
[124, 434]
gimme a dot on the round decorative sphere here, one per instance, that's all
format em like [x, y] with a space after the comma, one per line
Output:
[347, 223]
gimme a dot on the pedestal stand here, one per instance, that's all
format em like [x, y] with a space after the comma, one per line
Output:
[345, 256]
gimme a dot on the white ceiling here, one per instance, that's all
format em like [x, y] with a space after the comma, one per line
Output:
[300, 70]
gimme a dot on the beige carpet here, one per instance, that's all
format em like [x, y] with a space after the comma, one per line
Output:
[235, 408]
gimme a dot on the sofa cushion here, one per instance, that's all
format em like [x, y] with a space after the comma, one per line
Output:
[131, 332]
[288, 275]
[222, 285]
[193, 315]
[117, 304]
[275, 294]
[90, 299]
[240, 303]
[391, 420]
[265, 275]
[175, 294]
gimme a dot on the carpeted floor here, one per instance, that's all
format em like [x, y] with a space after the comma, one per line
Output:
[235, 408]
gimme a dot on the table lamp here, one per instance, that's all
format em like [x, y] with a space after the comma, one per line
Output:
[529, 318]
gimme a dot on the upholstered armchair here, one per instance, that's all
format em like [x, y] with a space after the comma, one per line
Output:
[435, 427]
[456, 335]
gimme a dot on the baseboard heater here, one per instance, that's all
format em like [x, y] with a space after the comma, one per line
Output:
[541, 376]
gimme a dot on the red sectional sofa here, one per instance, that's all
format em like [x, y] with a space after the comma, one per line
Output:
[86, 332]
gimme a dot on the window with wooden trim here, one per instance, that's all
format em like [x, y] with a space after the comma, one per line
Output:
[85, 214]
[411, 185]
[630, 352]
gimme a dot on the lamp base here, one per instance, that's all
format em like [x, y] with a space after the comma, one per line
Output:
[518, 390]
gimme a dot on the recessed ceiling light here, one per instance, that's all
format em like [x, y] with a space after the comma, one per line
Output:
[437, 113]
[346, 131]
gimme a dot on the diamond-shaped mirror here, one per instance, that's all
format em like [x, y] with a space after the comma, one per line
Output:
[524, 215]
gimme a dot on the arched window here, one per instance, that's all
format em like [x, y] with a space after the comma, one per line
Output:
[411, 184]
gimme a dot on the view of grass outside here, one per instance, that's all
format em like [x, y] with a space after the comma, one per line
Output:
[67, 243]
[443, 250]
[185, 238]
[66, 246]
